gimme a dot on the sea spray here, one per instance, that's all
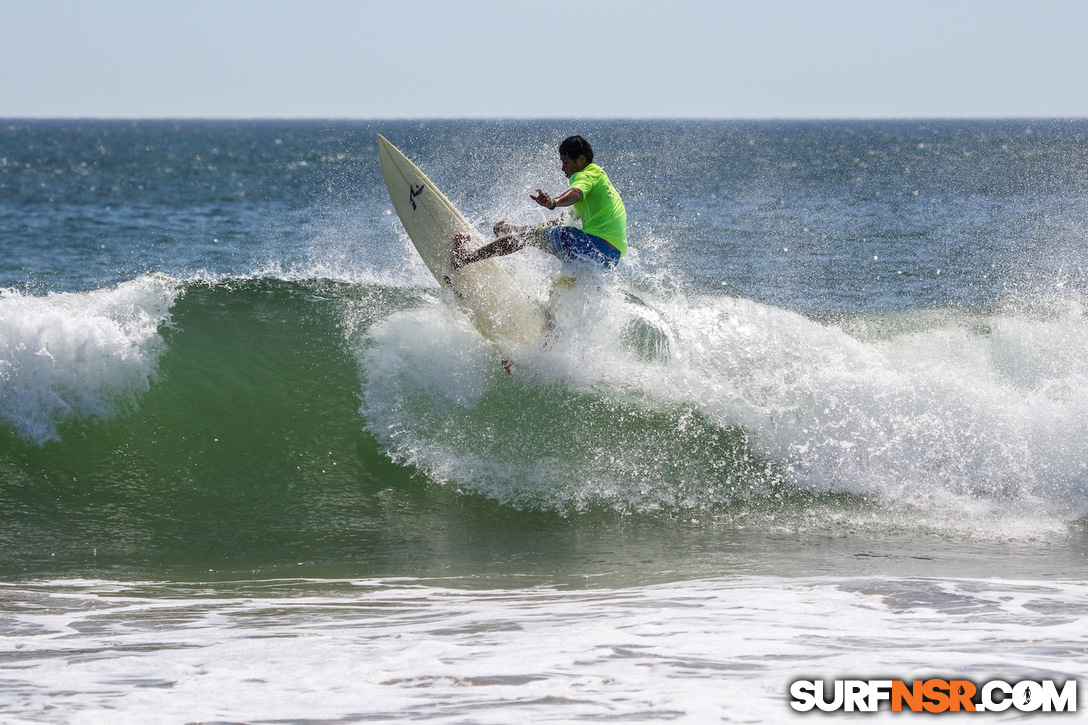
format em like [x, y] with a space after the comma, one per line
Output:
[750, 402]
[576, 427]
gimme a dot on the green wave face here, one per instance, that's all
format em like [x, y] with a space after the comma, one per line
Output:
[330, 428]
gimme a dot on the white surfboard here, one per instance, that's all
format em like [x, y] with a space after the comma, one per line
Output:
[501, 312]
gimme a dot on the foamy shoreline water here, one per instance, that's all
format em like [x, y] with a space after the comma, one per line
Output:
[692, 651]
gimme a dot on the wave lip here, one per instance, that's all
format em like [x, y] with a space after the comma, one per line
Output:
[74, 355]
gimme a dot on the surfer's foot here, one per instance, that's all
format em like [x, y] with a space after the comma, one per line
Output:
[459, 256]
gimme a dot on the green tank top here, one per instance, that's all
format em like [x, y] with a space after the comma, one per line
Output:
[600, 208]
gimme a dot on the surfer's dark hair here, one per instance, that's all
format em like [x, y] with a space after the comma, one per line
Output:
[576, 146]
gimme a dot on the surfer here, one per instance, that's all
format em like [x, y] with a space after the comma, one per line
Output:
[602, 240]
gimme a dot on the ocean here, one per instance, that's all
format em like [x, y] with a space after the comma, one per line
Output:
[826, 421]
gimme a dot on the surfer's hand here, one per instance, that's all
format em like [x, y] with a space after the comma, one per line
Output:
[543, 199]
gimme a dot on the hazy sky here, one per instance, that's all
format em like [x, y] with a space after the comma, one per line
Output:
[559, 58]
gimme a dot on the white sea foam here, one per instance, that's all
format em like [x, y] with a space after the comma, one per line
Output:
[963, 408]
[966, 415]
[76, 355]
[696, 651]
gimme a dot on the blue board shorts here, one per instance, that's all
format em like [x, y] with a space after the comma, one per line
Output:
[574, 245]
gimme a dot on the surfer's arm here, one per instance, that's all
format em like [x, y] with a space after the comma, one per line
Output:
[567, 198]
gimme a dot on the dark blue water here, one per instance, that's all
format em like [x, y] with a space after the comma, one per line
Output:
[809, 215]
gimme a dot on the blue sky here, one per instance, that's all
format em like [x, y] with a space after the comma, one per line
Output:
[512, 59]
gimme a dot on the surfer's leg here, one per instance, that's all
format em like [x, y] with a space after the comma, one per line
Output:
[550, 333]
[461, 257]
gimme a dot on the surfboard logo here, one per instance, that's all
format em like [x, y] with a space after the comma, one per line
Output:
[449, 283]
[413, 192]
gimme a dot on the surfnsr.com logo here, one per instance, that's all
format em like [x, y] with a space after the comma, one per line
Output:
[933, 695]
